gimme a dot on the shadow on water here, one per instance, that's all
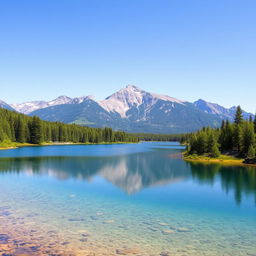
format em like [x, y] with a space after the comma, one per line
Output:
[133, 172]
[239, 179]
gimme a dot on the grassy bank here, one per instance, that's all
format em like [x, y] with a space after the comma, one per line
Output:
[222, 159]
[13, 145]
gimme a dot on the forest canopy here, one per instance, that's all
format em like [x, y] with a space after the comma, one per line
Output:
[16, 127]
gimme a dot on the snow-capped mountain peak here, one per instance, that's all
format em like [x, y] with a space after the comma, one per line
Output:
[79, 100]
[123, 100]
[167, 98]
[131, 96]
[60, 100]
[28, 107]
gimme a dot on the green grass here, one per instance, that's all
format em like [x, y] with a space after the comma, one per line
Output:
[222, 159]
[207, 157]
[9, 144]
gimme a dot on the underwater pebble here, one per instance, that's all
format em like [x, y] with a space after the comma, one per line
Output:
[168, 231]
[183, 230]
[126, 251]
[76, 219]
[163, 224]
[165, 253]
[108, 221]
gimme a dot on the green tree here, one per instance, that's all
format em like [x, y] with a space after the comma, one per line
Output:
[251, 152]
[2, 135]
[20, 130]
[239, 115]
[215, 151]
[237, 137]
[36, 130]
[248, 137]
[202, 143]
[254, 123]
[213, 148]
[225, 138]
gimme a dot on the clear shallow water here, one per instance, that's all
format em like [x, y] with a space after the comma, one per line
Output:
[132, 199]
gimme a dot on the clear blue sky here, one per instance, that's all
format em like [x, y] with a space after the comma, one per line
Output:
[187, 49]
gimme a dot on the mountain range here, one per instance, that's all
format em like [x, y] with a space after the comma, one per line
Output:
[130, 109]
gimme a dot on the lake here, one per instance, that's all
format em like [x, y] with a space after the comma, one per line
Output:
[125, 199]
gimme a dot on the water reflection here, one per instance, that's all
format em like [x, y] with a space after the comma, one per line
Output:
[129, 172]
[134, 172]
[239, 179]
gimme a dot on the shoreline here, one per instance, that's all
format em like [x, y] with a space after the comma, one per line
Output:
[20, 145]
[223, 160]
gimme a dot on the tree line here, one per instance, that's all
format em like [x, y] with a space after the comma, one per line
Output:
[16, 127]
[237, 138]
[161, 137]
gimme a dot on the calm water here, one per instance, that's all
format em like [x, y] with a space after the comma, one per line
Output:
[135, 199]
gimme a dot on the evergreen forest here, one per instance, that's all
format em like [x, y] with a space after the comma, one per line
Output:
[16, 127]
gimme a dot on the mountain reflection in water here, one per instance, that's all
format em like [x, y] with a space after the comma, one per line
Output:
[134, 172]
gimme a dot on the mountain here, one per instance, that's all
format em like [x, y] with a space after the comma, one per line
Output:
[5, 105]
[31, 106]
[131, 109]
[215, 109]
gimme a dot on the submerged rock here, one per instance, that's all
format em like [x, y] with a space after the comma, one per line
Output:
[108, 221]
[76, 219]
[168, 231]
[165, 253]
[183, 230]
[65, 243]
[83, 240]
[127, 251]
[163, 224]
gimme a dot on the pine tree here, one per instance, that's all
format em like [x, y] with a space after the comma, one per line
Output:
[254, 123]
[237, 138]
[223, 123]
[251, 152]
[211, 142]
[36, 131]
[201, 143]
[239, 115]
[20, 131]
[215, 151]
[2, 135]
[248, 137]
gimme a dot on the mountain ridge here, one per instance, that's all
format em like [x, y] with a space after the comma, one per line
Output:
[131, 109]
[5, 105]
